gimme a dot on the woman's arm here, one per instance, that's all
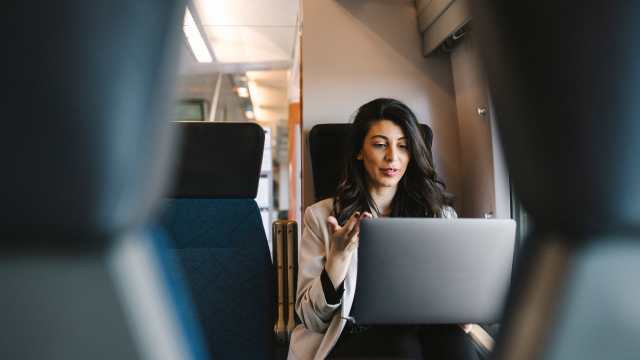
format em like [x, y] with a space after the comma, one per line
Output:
[311, 305]
[344, 241]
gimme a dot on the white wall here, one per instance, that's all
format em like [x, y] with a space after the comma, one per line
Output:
[354, 51]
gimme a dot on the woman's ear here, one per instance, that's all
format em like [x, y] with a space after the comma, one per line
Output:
[359, 157]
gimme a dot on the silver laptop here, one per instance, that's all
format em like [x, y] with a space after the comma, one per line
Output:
[433, 271]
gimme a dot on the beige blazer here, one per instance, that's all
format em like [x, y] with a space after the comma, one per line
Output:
[321, 323]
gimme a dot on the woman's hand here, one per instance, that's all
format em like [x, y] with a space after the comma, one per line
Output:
[344, 241]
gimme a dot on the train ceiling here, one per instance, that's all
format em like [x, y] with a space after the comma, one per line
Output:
[242, 35]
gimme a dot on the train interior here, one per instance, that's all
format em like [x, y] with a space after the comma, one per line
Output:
[156, 164]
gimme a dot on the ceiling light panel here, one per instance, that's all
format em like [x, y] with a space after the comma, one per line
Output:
[233, 44]
[188, 19]
[200, 49]
[248, 12]
[194, 37]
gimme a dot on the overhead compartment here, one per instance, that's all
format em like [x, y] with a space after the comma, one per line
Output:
[439, 19]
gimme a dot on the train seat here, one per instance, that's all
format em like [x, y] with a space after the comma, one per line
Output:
[212, 230]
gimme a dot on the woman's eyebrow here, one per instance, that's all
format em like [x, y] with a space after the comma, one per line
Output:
[380, 136]
[386, 138]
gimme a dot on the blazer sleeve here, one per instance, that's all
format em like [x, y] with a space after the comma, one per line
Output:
[311, 305]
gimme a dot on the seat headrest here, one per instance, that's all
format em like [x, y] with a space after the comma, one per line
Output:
[324, 143]
[219, 160]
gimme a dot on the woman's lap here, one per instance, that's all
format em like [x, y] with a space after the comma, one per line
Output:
[441, 342]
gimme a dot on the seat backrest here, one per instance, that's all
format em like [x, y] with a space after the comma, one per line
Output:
[575, 291]
[213, 230]
[84, 159]
[325, 146]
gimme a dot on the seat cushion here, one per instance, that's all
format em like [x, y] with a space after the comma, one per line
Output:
[220, 248]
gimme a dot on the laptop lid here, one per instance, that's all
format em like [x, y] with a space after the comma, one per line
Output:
[433, 271]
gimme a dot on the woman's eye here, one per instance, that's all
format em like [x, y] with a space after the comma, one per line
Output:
[379, 145]
[403, 147]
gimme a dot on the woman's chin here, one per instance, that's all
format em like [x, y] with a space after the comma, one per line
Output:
[388, 182]
[384, 182]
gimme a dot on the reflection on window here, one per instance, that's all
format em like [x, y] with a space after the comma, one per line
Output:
[524, 223]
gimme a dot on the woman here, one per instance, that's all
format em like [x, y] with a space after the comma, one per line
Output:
[387, 171]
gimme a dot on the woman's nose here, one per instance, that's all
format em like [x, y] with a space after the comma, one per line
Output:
[391, 153]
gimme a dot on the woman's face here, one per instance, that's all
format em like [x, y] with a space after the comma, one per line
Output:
[385, 154]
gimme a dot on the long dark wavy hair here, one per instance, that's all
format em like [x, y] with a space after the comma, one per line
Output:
[420, 195]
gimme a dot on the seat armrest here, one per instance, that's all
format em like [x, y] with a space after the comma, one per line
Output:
[291, 276]
[279, 258]
[285, 264]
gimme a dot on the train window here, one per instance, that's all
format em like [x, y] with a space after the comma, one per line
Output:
[189, 111]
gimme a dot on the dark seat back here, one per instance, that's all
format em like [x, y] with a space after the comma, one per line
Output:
[324, 143]
[213, 230]
[576, 287]
[83, 159]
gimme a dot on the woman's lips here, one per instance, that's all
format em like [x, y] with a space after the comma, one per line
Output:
[389, 171]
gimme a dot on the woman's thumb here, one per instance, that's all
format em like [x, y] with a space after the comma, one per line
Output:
[334, 223]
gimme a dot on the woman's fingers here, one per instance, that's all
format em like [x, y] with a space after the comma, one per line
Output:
[334, 224]
[355, 230]
[353, 220]
[347, 234]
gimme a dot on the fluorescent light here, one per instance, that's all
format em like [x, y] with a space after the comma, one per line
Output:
[200, 50]
[243, 92]
[196, 41]
[191, 31]
[188, 19]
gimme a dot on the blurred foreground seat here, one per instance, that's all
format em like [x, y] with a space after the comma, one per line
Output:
[567, 106]
[84, 156]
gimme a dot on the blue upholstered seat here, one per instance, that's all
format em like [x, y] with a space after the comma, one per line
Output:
[212, 231]
[221, 249]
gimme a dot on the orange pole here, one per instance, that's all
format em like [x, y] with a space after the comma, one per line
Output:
[294, 118]
[302, 140]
